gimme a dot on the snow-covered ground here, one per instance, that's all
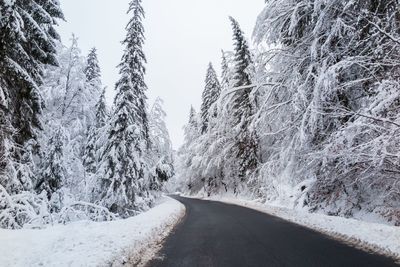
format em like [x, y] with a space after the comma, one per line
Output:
[92, 244]
[376, 237]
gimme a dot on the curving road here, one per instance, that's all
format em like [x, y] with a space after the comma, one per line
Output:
[218, 234]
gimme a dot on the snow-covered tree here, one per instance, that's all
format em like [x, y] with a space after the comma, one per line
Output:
[92, 70]
[70, 104]
[246, 148]
[53, 175]
[93, 149]
[193, 123]
[124, 170]
[330, 117]
[102, 113]
[211, 94]
[161, 147]
[186, 154]
[227, 70]
[8, 171]
[27, 41]
[220, 151]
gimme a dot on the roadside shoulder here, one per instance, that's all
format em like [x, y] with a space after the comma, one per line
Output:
[86, 243]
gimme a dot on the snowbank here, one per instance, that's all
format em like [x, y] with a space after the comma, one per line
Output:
[90, 243]
[374, 237]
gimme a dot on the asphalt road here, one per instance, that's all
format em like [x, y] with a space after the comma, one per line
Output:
[218, 234]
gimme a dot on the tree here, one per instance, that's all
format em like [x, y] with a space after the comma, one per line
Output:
[161, 147]
[27, 41]
[193, 122]
[54, 171]
[93, 75]
[92, 70]
[211, 94]
[187, 154]
[91, 156]
[124, 169]
[227, 70]
[102, 113]
[332, 103]
[242, 107]
[70, 104]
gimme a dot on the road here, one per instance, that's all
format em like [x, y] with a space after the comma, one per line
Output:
[218, 234]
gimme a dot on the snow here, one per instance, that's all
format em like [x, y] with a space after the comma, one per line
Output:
[369, 236]
[89, 243]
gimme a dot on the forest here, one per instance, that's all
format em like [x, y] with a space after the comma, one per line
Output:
[65, 154]
[304, 114]
[306, 117]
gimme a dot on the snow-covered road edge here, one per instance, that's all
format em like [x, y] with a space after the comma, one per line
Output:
[371, 237]
[148, 248]
[92, 244]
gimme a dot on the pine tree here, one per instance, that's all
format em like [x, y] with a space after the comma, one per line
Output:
[187, 151]
[93, 74]
[161, 146]
[225, 71]
[242, 64]
[101, 111]
[193, 118]
[92, 70]
[124, 182]
[91, 157]
[27, 41]
[54, 172]
[246, 141]
[211, 94]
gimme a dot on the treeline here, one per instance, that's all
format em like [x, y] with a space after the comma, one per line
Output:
[64, 155]
[309, 117]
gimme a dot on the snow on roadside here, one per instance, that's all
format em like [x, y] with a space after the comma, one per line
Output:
[374, 237]
[90, 243]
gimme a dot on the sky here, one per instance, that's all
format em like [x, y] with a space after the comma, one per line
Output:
[182, 37]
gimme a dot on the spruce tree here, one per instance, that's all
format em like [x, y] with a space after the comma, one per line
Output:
[54, 172]
[93, 75]
[91, 158]
[92, 70]
[211, 94]
[27, 42]
[124, 178]
[193, 118]
[225, 72]
[243, 60]
[246, 141]
[187, 152]
[101, 111]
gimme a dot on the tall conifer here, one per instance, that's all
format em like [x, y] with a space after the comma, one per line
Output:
[124, 179]
[211, 94]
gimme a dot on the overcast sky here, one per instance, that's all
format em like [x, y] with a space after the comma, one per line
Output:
[182, 37]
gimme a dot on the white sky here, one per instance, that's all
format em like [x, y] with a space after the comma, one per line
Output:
[182, 37]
